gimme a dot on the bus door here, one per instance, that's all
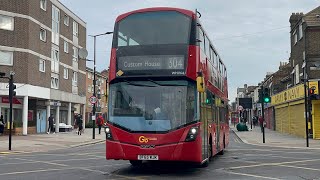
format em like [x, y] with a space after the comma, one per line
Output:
[217, 123]
[204, 125]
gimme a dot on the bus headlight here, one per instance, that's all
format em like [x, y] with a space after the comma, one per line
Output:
[192, 134]
[107, 130]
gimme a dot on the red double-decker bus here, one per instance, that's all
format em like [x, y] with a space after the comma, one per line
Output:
[167, 89]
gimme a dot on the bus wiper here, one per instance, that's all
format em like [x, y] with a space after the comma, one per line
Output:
[164, 84]
[133, 84]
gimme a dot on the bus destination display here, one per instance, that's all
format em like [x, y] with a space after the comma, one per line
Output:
[160, 62]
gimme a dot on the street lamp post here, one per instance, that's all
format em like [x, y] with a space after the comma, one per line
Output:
[94, 83]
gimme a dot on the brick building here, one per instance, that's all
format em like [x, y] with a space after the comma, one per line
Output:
[289, 105]
[102, 88]
[39, 42]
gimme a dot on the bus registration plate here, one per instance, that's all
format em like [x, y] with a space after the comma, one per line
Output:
[148, 157]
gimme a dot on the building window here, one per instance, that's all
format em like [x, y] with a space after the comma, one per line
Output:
[6, 58]
[55, 81]
[89, 75]
[89, 89]
[66, 20]
[6, 23]
[65, 73]
[43, 34]
[75, 54]
[75, 79]
[66, 47]
[55, 60]
[43, 4]
[295, 37]
[300, 32]
[92, 88]
[42, 65]
[297, 77]
[55, 25]
[75, 29]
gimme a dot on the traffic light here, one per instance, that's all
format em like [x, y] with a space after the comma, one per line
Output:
[266, 96]
[13, 90]
[260, 95]
[209, 98]
[312, 94]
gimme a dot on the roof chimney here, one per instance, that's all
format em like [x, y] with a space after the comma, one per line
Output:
[294, 18]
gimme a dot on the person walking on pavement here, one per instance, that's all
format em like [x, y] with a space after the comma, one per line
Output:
[261, 123]
[1, 124]
[79, 122]
[50, 128]
[100, 122]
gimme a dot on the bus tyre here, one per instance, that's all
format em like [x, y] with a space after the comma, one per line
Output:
[210, 149]
[135, 163]
[224, 146]
[205, 164]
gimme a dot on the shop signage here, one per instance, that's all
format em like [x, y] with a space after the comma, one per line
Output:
[14, 100]
[291, 94]
[314, 85]
[55, 103]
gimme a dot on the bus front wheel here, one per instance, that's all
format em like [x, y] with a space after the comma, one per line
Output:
[135, 163]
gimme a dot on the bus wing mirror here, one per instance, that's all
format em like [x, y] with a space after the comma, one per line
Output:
[200, 84]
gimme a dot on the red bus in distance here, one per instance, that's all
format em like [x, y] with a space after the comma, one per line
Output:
[157, 109]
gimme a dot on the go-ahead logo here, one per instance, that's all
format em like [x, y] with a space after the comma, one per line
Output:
[144, 139]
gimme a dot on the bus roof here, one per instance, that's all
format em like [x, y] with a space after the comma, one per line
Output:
[183, 11]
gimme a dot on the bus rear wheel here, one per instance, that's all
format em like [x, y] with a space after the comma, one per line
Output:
[135, 163]
[224, 146]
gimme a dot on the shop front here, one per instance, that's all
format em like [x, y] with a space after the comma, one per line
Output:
[289, 111]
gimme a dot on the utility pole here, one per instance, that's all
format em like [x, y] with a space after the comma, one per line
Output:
[94, 83]
[10, 114]
[262, 100]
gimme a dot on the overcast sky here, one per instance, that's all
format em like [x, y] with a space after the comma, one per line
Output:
[251, 36]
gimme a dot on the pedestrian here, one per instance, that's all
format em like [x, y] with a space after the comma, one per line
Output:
[75, 123]
[1, 124]
[261, 123]
[254, 119]
[100, 122]
[79, 122]
[50, 128]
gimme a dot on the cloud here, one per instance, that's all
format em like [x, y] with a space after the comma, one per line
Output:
[248, 58]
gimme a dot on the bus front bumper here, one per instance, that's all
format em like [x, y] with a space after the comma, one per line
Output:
[181, 151]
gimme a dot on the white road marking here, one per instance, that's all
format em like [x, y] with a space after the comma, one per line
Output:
[273, 164]
[298, 167]
[56, 164]
[61, 169]
[251, 175]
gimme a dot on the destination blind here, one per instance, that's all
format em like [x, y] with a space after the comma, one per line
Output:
[159, 62]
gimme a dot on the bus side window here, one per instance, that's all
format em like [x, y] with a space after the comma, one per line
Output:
[207, 46]
[201, 38]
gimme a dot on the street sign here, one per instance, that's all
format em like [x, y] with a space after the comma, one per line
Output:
[93, 99]
[246, 103]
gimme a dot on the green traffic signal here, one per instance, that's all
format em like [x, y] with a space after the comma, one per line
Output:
[207, 101]
[266, 99]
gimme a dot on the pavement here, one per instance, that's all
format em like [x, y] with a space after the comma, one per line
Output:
[274, 139]
[240, 161]
[48, 142]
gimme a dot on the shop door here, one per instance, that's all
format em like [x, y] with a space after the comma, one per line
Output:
[41, 121]
[316, 119]
[297, 120]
